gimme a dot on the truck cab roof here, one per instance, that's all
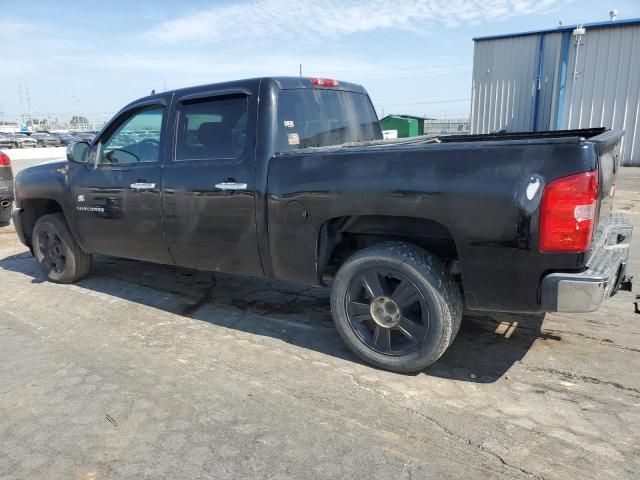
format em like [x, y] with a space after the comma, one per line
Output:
[282, 83]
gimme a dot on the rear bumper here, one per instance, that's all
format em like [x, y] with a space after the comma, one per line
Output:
[607, 266]
[6, 190]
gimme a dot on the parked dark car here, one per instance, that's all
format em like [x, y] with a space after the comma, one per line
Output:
[85, 136]
[6, 188]
[46, 140]
[67, 138]
[289, 178]
[6, 141]
[20, 140]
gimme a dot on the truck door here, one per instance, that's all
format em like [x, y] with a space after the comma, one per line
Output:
[208, 192]
[117, 193]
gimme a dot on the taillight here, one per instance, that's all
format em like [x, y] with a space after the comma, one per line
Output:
[5, 161]
[324, 82]
[567, 213]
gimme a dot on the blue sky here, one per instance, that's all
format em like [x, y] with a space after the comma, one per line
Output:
[413, 56]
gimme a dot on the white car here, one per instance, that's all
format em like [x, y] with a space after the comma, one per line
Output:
[20, 140]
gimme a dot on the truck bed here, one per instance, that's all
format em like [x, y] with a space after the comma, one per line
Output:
[571, 136]
[473, 188]
[578, 134]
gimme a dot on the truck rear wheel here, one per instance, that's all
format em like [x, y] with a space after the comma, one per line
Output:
[396, 306]
[60, 258]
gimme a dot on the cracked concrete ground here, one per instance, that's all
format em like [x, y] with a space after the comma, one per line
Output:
[147, 371]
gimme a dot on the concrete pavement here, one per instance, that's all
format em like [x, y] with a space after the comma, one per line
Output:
[147, 371]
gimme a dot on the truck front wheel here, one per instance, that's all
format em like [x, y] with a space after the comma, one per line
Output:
[396, 306]
[60, 258]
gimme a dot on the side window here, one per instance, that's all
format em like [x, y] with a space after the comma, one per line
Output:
[136, 140]
[212, 129]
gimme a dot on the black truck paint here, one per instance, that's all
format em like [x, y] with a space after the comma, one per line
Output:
[473, 201]
[6, 188]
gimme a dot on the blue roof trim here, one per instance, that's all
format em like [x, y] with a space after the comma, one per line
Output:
[564, 28]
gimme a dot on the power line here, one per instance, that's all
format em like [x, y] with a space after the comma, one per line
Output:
[404, 75]
[459, 100]
[400, 67]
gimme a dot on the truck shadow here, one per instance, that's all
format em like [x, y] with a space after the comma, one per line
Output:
[484, 350]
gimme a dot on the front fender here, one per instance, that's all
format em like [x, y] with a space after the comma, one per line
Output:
[47, 182]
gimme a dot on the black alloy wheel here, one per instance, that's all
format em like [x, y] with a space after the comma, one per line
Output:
[396, 306]
[60, 257]
[387, 311]
[51, 250]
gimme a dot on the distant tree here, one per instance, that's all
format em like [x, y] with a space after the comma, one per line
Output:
[78, 121]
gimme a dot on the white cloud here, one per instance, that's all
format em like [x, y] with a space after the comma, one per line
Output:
[277, 19]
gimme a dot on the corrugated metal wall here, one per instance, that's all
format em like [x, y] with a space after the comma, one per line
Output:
[503, 86]
[604, 91]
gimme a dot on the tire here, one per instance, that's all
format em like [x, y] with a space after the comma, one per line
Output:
[406, 319]
[5, 215]
[59, 256]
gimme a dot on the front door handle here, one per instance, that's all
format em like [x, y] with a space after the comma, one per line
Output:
[143, 186]
[231, 186]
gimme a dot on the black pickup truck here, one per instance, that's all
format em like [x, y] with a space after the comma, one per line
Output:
[289, 178]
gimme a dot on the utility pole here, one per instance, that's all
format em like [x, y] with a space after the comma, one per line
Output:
[75, 108]
[29, 106]
[21, 105]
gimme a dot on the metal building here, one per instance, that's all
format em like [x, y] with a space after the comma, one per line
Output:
[564, 78]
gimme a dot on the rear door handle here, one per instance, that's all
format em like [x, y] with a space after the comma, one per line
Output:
[231, 186]
[143, 186]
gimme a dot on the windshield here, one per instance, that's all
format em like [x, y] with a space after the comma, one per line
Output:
[318, 118]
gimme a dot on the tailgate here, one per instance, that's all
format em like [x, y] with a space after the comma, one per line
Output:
[608, 150]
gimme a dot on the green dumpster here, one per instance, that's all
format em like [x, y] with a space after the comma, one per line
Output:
[404, 125]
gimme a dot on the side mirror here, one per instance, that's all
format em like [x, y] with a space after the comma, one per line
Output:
[118, 155]
[78, 152]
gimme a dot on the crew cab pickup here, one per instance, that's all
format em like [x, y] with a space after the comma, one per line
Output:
[289, 178]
